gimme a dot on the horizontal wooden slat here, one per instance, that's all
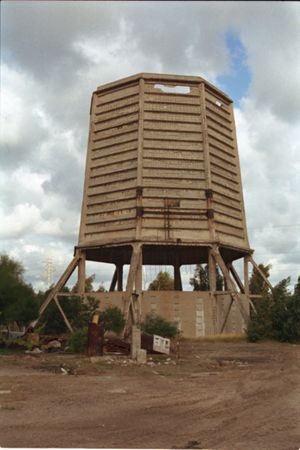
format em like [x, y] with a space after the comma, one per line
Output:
[114, 140]
[150, 87]
[227, 184]
[226, 202]
[98, 111]
[179, 174]
[109, 97]
[225, 193]
[172, 126]
[110, 154]
[226, 220]
[166, 117]
[117, 195]
[229, 230]
[120, 166]
[116, 113]
[111, 206]
[173, 164]
[182, 224]
[221, 127]
[168, 135]
[212, 97]
[114, 187]
[112, 178]
[216, 170]
[182, 193]
[117, 225]
[114, 217]
[218, 148]
[223, 161]
[171, 99]
[173, 183]
[184, 204]
[121, 130]
[171, 108]
[221, 138]
[174, 145]
[215, 112]
[115, 123]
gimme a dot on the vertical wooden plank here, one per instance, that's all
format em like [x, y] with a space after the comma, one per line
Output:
[139, 182]
[246, 275]
[206, 155]
[114, 281]
[63, 314]
[81, 273]
[212, 271]
[120, 277]
[87, 171]
[238, 172]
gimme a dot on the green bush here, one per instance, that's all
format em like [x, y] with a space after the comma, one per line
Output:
[78, 340]
[154, 324]
[113, 319]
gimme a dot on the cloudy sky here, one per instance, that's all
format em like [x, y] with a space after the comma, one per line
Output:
[54, 54]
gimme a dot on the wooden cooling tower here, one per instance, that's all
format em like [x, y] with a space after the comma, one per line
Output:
[163, 186]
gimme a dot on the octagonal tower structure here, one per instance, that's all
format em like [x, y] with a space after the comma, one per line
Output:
[163, 187]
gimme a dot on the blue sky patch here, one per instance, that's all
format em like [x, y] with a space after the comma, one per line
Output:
[237, 81]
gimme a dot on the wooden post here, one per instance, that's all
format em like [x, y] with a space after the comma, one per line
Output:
[114, 281]
[236, 278]
[63, 314]
[212, 271]
[131, 280]
[177, 278]
[246, 275]
[81, 273]
[120, 276]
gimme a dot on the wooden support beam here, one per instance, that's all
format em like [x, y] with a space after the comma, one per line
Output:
[114, 281]
[212, 271]
[131, 281]
[236, 278]
[261, 273]
[120, 277]
[63, 314]
[230, 285]
[59, 285]
[246, 274]
[177, 278]
[81, 273]
[226, 316]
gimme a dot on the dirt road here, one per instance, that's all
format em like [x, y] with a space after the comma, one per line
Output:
[218, 395]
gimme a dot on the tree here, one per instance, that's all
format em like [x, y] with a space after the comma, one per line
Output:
[200, 280]
[17, 298]
[257, 285]
[162, 282]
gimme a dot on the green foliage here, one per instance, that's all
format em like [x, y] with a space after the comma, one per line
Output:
[75, 308]
[17, 299]
[113, 319]
[162, 282]
[154, 324]
[200, 280]
[78, 340]
[278, 315]
[257, 285]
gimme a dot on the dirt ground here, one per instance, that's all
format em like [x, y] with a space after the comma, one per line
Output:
[216, 396]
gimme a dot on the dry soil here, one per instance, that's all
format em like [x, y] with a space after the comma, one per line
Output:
[228, 396]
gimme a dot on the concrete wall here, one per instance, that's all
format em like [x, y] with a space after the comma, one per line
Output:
[197, 313]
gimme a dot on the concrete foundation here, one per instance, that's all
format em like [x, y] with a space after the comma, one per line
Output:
[197, 313]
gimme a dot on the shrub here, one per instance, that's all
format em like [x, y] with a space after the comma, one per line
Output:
[78, 340]
[113, 319]
[154, 324]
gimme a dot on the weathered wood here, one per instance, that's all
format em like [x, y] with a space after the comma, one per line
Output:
[63, 314]
[212, 271]
[81, 273]
[261, 273]
[114, 281]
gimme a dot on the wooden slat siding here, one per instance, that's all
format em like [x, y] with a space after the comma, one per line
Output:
[185, 204]
[116, 106]
[150, 88]
[212, 97]
[117, 113]
[113, 187]
[111, 217]
[120, 94]
[109, 142]
[167, 117]
[104, 198]
[175, 193]
[178, 127]
[116, 167]
[172, 135]
[168, 163]
[168, 98]
[110, 179]
[175, 183]
[181, 224]
[192, 236]
[224, 168]
[84, 206]
[115, 124]
[140, 155]
[124, 224]
[170, 108]
[173, 173]
[111, 206]
[240, 180]
[119, 131]
[113, 159]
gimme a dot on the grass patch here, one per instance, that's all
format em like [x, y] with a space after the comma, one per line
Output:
[218, 338]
